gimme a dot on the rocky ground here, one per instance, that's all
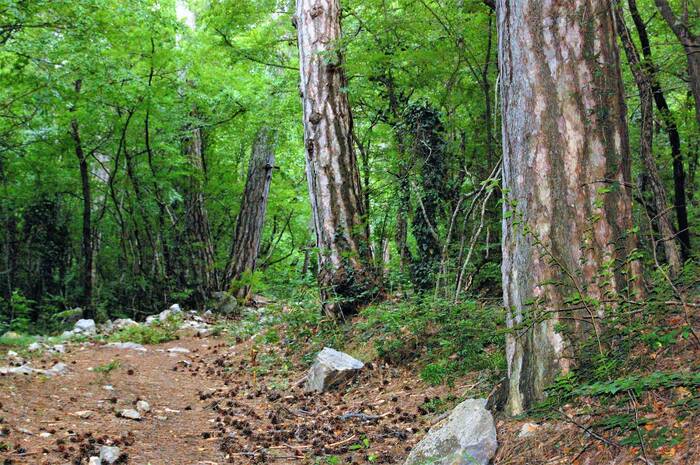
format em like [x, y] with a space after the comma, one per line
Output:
[209, 399]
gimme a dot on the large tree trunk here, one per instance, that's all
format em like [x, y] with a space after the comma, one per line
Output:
[567, 207]
[690, 43]
[646, 97]
[86, 271]
[251, 219]
[199, 237]
[345, 274]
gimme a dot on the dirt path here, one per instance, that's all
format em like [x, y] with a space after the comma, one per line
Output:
[171, 433]
[212, 406]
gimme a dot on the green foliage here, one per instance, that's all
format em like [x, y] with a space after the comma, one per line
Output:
[20, 341]
[156, 333]
[451, 338]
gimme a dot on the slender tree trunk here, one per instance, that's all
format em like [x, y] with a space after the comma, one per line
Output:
[691, 45]
[251, 219]
[646, 97]
[674, 138]
[345, 274]
[567, 205]
[86, 272]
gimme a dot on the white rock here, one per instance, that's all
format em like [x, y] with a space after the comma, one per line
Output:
[34, 346]
[95, 461]
[126, 346]
[84, 414]
[45, 434]
[175, 308]
[131, 414]
[108, 387]
[143, 406]
[151, 319]
[466, 437]
[109, 454]
[12, 353]
[122, 323]
[85, 327]
[21, 370]
[57, 369]
[58, 349]
[178, 350]
[528, 429]
[67, 334]
[330, 369]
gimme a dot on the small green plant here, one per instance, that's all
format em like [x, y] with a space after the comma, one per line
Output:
[107, 367]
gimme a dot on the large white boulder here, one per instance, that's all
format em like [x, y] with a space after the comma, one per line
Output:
[466, 437]
[330, 369]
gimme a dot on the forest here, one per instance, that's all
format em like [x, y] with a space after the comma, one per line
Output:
[385, 231]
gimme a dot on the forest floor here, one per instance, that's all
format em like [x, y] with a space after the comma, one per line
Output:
[218, 400]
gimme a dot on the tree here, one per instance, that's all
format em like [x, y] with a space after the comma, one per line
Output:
[86, 271]
[345, 275]
[567, 229]
[671, 128]
[251, 219]
[681, 27]
[646, 97]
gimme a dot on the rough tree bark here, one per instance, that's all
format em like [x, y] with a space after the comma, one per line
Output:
[691, 44]
[251, 219]
[674, 138]
[345, 274]
[196, 218]
[646, 98]
[86, 271]
[567, 205]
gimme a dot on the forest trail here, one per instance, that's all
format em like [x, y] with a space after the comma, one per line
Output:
[171, 433]
[216, 404]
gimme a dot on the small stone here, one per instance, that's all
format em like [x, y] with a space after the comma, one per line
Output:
[57, 370]
[127, 346]
[84, 414]
[175, 308]
[131, 414]
[178, 350]
[108, 387]
[45, 434]
[12, 353]
[25, 431]
[85, 327]
[34, 346]
[11, 335]
[330, 369]
[528, 429]
[109, 454]
[20, 370]
[58, 349]
[143, 406]
[95, 461]
[161, 417]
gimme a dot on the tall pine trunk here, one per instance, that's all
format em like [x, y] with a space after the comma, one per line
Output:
[567, 207]
[345, 274]
[251, 219]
